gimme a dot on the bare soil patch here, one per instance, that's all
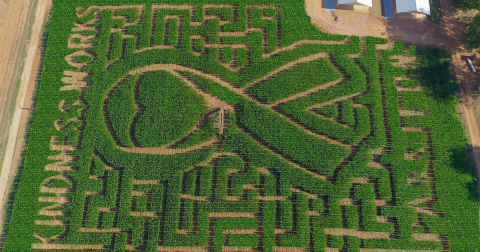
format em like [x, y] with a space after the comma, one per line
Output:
[357, 233]
[420, 32]
[231, 215]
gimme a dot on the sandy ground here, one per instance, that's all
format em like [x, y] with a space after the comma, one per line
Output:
[24, 100]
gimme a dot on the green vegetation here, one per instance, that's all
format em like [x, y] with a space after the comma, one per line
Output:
[435, 13]
[356, 84]
[329, 111]
[300, 78]
[336, 157]
[434, 73]
[409, 83]
[348, 116]
[312, 152]
[133, 14]
[453, 171]
[122, 110]
[89, 17]
[225, 14]
[468, 4]
[199, 45]
[472, 38]
[59, 184]
[242, 57]
[167, 116]
[82, 59]
[227, 54]
[173, 31]
[117, 46]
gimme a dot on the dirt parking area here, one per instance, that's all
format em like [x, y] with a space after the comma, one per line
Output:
[349, 22]
[14, 15]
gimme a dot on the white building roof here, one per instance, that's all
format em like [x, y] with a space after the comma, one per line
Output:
[363, 2]
[420, 6]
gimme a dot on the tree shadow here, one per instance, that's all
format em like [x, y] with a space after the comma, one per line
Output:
[462, 160]
[422, 33]
[435, 74]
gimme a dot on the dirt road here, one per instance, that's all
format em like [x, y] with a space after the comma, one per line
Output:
[14, 33]
[20, 116]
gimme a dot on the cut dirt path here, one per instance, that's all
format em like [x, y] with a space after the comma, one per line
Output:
[20, 117]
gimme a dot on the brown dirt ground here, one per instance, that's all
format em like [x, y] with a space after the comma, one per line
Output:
[50, 246]
[349, 22]
[13, 17]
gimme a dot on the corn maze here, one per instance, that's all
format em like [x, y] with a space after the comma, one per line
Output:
[177, 126]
